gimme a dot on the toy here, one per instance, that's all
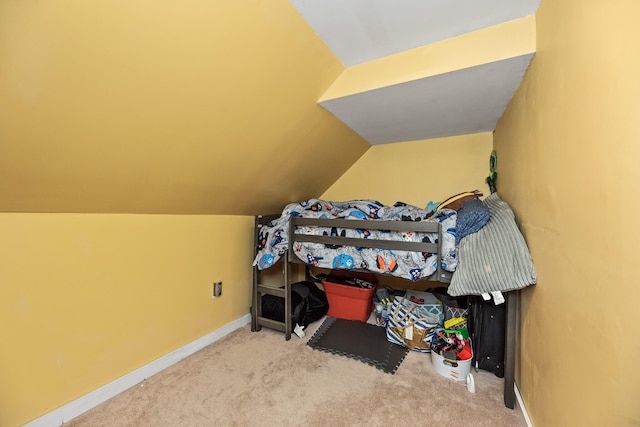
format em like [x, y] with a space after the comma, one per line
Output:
[493, 177]
[453, 343]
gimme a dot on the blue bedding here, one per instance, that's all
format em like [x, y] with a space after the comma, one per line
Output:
[273, 238]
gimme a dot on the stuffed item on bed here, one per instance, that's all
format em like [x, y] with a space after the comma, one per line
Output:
[273, 239]
[496, 258]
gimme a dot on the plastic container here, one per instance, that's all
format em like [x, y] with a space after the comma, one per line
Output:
[349, 302]
[429, 302]
[451, 368]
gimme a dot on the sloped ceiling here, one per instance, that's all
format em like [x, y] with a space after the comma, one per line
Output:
[191, 107]
[468, 98]
[360, 31]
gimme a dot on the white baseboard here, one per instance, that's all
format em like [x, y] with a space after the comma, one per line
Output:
[522, 407]
[90, 400]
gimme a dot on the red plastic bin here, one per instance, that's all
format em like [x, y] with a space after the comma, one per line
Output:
[349, 302]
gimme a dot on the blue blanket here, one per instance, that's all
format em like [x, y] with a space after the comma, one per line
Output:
[472, 216]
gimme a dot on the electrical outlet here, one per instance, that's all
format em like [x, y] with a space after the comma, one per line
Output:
[217, 289]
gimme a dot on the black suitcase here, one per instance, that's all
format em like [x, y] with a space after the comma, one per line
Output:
[487, 331]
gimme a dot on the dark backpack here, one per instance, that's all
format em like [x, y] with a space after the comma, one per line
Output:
[308, 304]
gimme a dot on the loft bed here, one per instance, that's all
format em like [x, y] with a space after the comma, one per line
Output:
[409, 259]
[401, 241]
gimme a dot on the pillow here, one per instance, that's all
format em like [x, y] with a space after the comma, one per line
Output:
[456, 202]
[496, 258]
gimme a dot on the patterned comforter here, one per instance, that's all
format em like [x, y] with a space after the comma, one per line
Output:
[273, 239]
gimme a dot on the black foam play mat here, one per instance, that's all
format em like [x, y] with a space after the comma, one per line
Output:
[358, 340]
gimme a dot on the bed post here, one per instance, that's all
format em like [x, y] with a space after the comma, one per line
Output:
[256, 279]
[287, 286]
[439, 274]
[260, 289]
[510, 350]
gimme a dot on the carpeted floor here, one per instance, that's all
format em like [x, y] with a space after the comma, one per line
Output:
[259, 379]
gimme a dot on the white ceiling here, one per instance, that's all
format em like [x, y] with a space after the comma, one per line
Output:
[465, 101]
[471, 100]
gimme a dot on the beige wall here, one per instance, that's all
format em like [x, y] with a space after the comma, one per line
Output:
[88, 298]
[165, 107]
[568, 149]
[417, 172]
[117, 291]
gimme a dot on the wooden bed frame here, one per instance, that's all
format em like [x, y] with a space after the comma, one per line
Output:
[440, 275]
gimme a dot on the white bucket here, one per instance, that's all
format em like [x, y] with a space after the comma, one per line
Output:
[454, 369]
